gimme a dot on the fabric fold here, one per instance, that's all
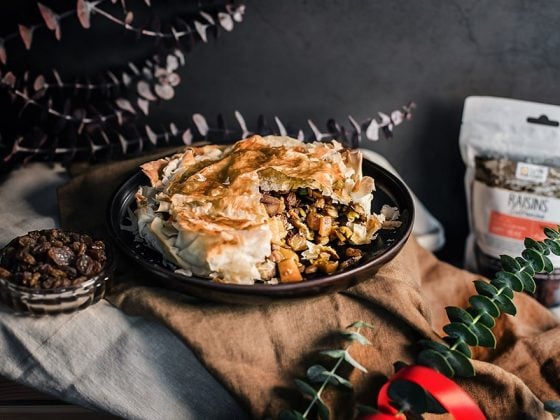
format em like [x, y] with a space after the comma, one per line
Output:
[257, 351]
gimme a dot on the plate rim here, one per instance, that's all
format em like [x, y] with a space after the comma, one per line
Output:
[264, 290]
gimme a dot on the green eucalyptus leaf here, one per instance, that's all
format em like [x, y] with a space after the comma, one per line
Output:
[322, 410]
[305, 388]
[434, 345]
[530, 243]
[354, 336]
[408, 396]
[553, 245]
[509, 263]
[551, 233]
[456, 314]
[548, 266]
[484, 304]
[458, 361]
[483, 317]
[457, 329]
[459, 345]
[534, 258]
[460, 364]
[435, 360]
[503, 278]
[552, 407]
[353, 362]
[335, 354]
[399, 364]
[527, 281]
[525, 266]
[506, 305]
[506, 291]
[360, 324]
[485, 336]
[290, 415]
[486, 289]
[319, 374]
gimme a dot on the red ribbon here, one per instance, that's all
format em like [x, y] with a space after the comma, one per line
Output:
[450, 395]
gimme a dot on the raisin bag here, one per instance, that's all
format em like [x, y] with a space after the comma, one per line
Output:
[512, 152]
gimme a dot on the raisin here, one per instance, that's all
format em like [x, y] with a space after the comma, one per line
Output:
[61, 255]
[85, 265]
[52, 259]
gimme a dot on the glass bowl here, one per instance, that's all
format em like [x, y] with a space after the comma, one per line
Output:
[37, 301]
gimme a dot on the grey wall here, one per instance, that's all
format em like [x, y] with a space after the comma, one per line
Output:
[322, 58]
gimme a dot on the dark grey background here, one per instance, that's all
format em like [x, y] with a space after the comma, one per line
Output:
[322, 58]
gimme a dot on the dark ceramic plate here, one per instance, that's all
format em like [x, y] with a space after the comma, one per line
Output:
[390, 190]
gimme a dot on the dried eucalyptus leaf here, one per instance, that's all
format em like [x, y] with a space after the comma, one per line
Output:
[318, 135]
[201, 30]
[187, 137]
[207, 17]
[26, 35]
[83, 10]
[3, 54]
[201, 124]
[173, 79]
[172, 63]
[144, 90]
[236, 11]
[39, 83]
[57, 77]
[129, 17]
[226, 21]
[372, 130]
[126, 78]
[281, 128]
[50, 18]
[151, 135]
[397, 117]
[144, 105]
[179, 54]
[9, 79]
[241, 121]
[125, 105]
[165, 91]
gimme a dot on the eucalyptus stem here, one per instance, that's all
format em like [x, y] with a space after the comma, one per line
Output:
[472, 327]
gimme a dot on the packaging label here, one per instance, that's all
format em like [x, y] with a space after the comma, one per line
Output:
[530, 172]
[502, 218]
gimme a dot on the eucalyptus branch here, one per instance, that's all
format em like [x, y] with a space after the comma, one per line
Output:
[320, 375]
[473, 326]
[92, 145]
[84, 9]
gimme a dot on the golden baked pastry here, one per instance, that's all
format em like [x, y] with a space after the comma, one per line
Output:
[270, 209]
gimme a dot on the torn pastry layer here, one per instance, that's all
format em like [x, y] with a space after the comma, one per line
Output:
[270, 209]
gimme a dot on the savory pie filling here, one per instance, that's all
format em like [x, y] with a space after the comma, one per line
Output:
[269, 209]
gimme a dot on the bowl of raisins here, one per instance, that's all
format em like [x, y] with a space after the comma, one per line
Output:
[54, 271]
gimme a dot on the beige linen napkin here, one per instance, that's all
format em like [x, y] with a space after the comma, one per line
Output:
[257, 351]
